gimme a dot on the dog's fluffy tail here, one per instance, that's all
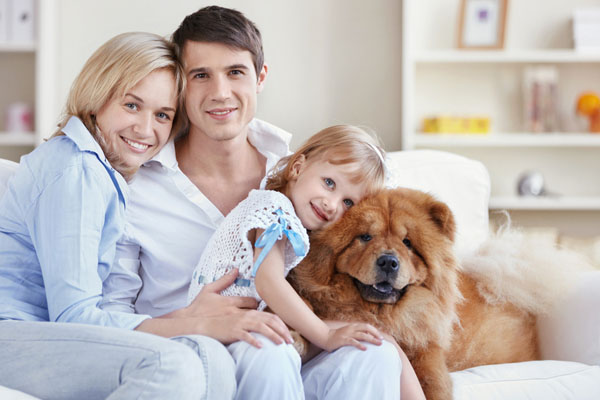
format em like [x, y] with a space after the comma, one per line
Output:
[529, 272]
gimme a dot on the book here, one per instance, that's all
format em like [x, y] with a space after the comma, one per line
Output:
[540, 112]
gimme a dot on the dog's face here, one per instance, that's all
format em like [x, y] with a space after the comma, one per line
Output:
[388, 243]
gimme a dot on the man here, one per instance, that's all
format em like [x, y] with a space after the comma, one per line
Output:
[181, 196]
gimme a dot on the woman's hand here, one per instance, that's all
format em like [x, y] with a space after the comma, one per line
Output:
[352, 334]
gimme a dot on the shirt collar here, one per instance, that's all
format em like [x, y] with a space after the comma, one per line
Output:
[79, 134]
[269, 138]
[166, 156]
[83, 139]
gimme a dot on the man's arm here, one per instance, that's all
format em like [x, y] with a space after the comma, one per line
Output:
[225, 318]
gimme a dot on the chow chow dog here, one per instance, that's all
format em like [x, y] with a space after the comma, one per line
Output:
[390, 262]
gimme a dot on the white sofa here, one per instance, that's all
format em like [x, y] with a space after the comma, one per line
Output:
[570, 336]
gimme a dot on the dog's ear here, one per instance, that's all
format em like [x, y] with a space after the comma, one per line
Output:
[443, 218]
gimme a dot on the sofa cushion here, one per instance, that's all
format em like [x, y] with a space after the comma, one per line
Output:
[548, 380]
[460, 182]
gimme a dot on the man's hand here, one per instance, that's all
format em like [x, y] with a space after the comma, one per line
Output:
[238, 326]
[210, 302]
[231, 318]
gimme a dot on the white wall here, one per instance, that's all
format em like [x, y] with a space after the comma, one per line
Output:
[333, 61]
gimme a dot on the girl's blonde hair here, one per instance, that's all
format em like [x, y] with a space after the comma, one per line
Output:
[339, 145]
[115, 68]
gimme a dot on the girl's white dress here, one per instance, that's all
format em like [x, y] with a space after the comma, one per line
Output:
[230, 248]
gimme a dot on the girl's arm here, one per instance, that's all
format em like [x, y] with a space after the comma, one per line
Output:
[225, 318]
[279, 295]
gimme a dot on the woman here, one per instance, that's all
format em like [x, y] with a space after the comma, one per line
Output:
[59, 222]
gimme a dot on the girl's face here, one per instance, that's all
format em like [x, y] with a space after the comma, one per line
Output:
[322, 192]
[138, 124]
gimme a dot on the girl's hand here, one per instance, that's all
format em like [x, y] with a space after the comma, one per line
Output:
[352, 334]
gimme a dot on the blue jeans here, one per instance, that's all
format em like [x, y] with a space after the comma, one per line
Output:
[72, 361]
[275, 372]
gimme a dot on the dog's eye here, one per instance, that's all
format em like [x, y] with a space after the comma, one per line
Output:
[366, 237]
[407, 243]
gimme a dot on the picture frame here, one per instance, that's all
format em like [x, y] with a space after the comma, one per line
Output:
[482, 24]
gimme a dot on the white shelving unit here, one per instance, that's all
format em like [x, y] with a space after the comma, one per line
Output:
[17, 139]
[28, 74]
[439, 79]
[514, 139]
[17, 47]
[549, 203]
[533, 56]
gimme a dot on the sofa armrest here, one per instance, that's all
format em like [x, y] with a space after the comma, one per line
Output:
[460, 182]
[12, 394]
[571, 331]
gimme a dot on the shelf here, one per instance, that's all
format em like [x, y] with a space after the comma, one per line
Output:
[557, 203]
[17, 139]
[506, 56]
[439, 79]
[524, 139]
[17, 47]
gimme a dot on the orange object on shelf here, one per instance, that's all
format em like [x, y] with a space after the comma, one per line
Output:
[595, 121]
[588, 104]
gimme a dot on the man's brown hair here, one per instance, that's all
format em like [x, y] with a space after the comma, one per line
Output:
[221, 25]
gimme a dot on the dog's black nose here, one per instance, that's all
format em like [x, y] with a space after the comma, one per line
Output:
[388, 263]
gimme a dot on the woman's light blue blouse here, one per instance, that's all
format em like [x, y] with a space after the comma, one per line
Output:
[60, 219]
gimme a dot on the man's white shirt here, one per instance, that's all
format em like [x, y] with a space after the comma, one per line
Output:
[169, 222]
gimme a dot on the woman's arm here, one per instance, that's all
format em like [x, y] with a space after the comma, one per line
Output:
[279, 295]
[70, 224]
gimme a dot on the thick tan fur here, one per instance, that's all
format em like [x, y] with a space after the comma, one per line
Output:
[435, 311]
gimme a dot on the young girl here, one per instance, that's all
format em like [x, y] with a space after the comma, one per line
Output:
[309, 190]
[60, 219]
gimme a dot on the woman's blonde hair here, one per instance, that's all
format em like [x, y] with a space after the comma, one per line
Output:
[339, 145]
[115, 68]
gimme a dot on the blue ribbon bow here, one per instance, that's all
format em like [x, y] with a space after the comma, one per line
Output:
[274, 233]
